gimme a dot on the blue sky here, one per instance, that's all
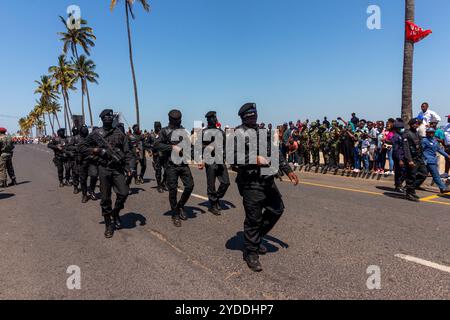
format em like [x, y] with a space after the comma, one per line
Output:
[296, 59]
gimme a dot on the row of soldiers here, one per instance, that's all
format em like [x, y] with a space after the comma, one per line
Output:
[115, 156]
[312, 140]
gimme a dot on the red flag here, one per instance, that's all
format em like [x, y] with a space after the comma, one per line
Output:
[415, 33]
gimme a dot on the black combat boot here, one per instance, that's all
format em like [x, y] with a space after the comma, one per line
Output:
[92, 195]
[399, 190]
[214, 209]
[109, 226]
[160, 189]
[182, 214]
[262, 249]
[61, 184]
[116, 219]
[76, 190]
[412, 197]
[137, 181]
[84, 198]
[176, 220]
[253, 262]
[141, 180]
[13, 182]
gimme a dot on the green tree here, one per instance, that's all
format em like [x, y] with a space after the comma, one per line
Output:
[85, 72]
[72, 38]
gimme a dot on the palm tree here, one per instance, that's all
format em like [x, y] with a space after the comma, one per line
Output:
[83, 36]
[408, 59]
[128, 11]
[25, 126]
[46, 88]
[64, 76]
[53, 109]
[85, 71]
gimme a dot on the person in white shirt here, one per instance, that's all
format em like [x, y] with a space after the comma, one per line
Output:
[428, 115]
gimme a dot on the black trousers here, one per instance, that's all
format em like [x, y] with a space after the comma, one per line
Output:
[76, 168]
[158, 167]
[112, 179]
[415, 176]
[184, 173]
[143, 163]
[10, 168]
[62, 168]
[399, 173]
[263, 207]
[219, 172]
[88, 169]
[68, 167]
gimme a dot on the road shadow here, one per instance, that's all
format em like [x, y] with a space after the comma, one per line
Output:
[236, 243]
[6, 195]
[223, 204]
[22, 182]
[134, 191]
[148, 180]
[384, 188]
[395, 195]
[129, 220]
[191, 212]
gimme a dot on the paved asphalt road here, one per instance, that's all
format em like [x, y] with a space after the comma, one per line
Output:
[333, 229]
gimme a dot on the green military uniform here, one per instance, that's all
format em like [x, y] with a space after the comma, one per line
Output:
[325, 144]
[6, 152]
[334, 144]
[304, 146]
[314, 136]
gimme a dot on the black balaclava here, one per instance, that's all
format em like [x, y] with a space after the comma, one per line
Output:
[84, 131]
[157, 126]
[175, 118]
[75, 131]
[211, 118]
[61, 133]
[250, 118]
[121, 127]
[107, 117]
[136, 129]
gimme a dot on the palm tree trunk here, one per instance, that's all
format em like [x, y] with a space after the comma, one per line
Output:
[45, 125]
[66, 115]
[51, 123]
[89, 106]
[82, 100]
[408, 60]
[55, 115]
[132, 64]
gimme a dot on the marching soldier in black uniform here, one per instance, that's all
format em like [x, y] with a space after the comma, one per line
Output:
[74, 158]
[215, 170]
[115, 162]
[88, 168]
[137, 143]
[416, 170]
[262, 200]
[58, 145]
[158, 158]
[398, 155]
[165, 145]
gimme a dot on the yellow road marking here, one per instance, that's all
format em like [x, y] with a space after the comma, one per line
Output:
[337, 188]
[429, 198]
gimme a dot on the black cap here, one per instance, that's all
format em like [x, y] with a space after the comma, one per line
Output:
[175, 114]
[247, 109]
[106, 112]
[210, 114]
[157, 124]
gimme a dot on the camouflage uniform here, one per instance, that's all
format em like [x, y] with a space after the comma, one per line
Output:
[334, 145]
[304, 146]
[325, 144]
[6, 152]
[314, 135]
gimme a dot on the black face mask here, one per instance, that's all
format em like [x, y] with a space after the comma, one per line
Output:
[175, 122]
[107, 122]
[212, 121]
[250, 121]
[84, 132]
[157, 129]
[61, 134]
